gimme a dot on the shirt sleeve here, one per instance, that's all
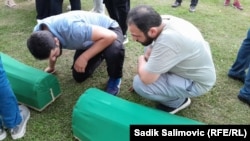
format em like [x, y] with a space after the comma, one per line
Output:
[162, 59]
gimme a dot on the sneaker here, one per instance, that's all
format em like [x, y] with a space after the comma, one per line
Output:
[244, 98]
[236, 78]
[125, 39]
[68, 8]
[176, 4]
[192, 9]
[10, 3]
[227, 3]
[172, 110]
[237, 5]
[2, 134]
[19, 131]
[94, 11]
[113, 86]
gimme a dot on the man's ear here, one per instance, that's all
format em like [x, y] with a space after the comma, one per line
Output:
[57, 41]
[152, 32]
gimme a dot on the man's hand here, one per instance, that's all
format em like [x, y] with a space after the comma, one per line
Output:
[131, 89]
[147, 53]
[80, 64]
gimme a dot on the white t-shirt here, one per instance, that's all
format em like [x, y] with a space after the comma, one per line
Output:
[182, 50]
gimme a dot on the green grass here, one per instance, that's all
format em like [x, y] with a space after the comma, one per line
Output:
[223, 27]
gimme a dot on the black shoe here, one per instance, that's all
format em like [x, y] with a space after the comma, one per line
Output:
[176, 4]
[172, 110]
[244, 99]
[236, 78]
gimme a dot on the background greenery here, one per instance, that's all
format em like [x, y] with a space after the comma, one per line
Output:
[223, 27]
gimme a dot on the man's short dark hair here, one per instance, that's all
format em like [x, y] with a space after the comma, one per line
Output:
[40, 43]
[144, 17]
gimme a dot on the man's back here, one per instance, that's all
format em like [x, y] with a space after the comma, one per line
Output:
[71, 26]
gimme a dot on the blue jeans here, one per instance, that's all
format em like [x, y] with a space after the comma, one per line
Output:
[241, 64]
[9, 111]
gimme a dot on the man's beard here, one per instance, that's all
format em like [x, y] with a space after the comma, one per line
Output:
[148, 41]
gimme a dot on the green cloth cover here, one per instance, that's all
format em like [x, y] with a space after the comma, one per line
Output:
[32, 87]
[99, 116]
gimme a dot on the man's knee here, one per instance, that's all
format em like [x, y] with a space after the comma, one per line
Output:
[138, 84]
[80, 77]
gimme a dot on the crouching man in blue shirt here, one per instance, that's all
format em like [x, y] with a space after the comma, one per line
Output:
[93, 36]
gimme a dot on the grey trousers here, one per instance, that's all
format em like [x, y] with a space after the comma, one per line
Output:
[170, 89]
